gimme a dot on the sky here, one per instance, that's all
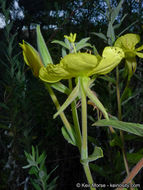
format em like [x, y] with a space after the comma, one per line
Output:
[17, 10]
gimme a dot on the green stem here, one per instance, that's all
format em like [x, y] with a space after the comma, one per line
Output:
[75, 119]
[89, 176]
[120, 118]
[62, 115]
[84, 148]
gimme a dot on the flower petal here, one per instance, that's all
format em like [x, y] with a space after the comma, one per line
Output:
[139, 54]
[111, 57]
[31, 58]
[139, 48]
[53, 73]
[127, 41]
[79, 64]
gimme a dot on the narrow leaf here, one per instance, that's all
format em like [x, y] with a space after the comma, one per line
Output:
[110, 34]
[134, 128]
[60, 43]
[81, 43]
[116, 11]
[83, 46]
[100, 35]
[41, 158]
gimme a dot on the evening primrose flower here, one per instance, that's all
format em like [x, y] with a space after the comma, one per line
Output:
[82, 64]
[128, 44]
[31, 58]
[71, 38]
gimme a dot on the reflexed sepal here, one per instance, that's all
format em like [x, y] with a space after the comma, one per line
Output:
[69, 100]
[94, 99]
[42, 48]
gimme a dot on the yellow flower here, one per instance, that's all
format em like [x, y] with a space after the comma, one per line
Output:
[71, 38]
[128, 43]
[82, 64]
[32, 58]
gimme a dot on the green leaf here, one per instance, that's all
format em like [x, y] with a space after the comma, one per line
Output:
[115, 11]
[42, 48]
[83, 46]
[48, 175]
[33, 170]
[36, 186]
[110, 34]
[100, 35]
[134, 128]
[116, 141]
[82, 43]
[27, 166]
[97, 153]
[134, 158]
[41, 158]
[67, 136]
[60, 43]
[107, 78]
[28, 156]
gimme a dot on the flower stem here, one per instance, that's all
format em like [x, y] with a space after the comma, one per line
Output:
[84, 148]
[62, 115]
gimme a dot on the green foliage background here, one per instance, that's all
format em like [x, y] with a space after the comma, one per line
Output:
[26, 110]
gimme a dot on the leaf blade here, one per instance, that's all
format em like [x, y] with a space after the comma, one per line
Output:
[134, 128]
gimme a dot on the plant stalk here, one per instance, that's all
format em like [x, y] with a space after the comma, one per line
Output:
[84, 148]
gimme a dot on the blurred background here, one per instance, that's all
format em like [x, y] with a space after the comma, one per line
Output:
[26, 110]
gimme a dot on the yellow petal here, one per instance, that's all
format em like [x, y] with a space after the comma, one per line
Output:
[111, 57]
[72, 65]
[127, 41]
[139, 54]
[79, 64]
[53, 73]
[139, 48]
[32, 58]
